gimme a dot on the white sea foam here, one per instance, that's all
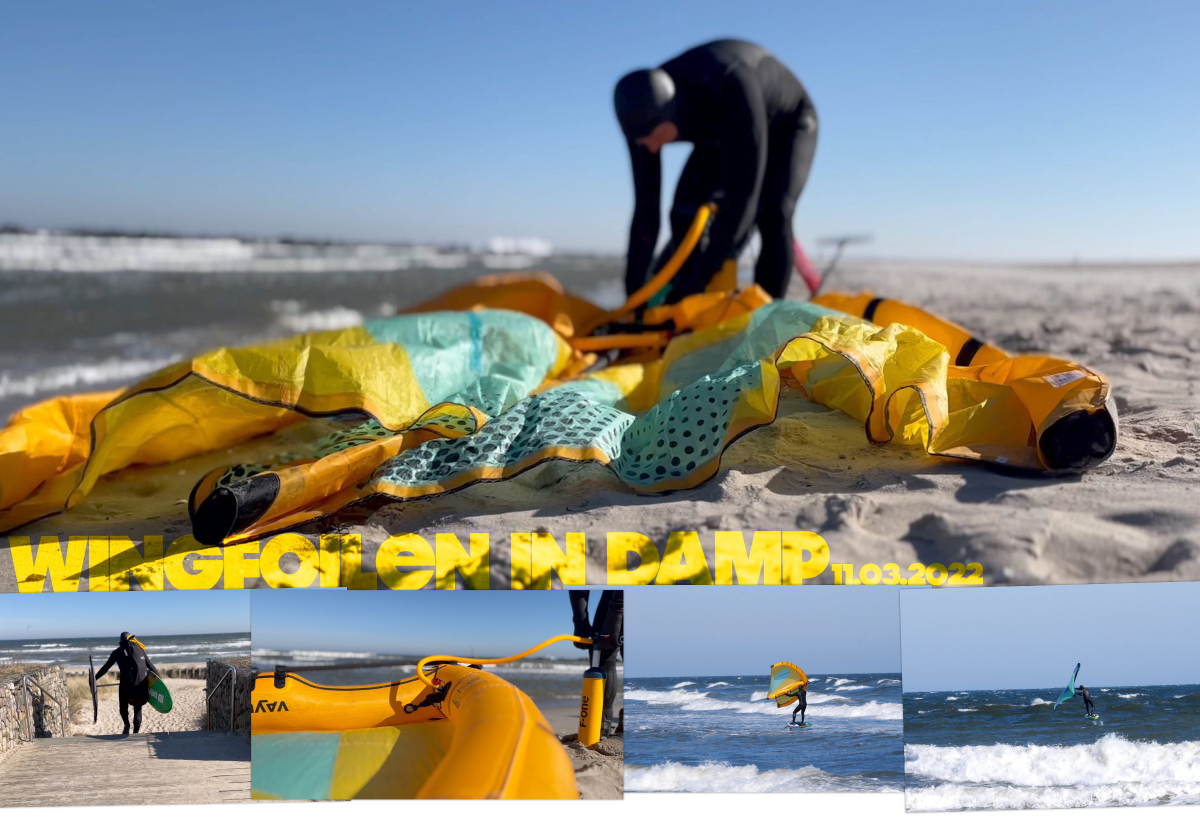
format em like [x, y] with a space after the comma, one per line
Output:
[1040, 702]
[671, 696]
[315, 655]
[1109, 772]
[951, 697]
[968, 709]
[821, 697]
[722, 777]
[882, 681]
[67, 377]
[701, 702]
[958, 797]
[1134, 695]
[294, 319]
[849, 688]
[45, 251]
[840, 681]
[718, 683]
[872, 710]
[685, 683]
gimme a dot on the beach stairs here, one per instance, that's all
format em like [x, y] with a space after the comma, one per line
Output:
[111, 770]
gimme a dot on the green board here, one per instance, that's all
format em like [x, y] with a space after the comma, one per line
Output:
[1093, 717]
[799, 725]
[160, 696]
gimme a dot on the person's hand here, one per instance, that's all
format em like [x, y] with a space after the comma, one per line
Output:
[583, 630]
[605, 642]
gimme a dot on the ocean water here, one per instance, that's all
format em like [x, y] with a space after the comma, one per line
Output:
[550, 682]
[1010, 749]
[721, 734]
[83, 321]
[161, 648]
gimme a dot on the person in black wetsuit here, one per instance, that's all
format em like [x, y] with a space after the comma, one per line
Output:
[754, 131]
[801, 704]
[1081, 691]
[607, 632]
[134, 665]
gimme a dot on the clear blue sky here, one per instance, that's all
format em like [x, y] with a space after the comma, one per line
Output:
[680, 630]
[493, 623]
[1032, 637]
[991, 129]
[84, 615]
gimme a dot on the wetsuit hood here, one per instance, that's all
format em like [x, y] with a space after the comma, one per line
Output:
[643, 100]
[125, 636]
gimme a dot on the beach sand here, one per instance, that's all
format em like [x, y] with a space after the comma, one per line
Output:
[599, 772]
[1132, 519]
[187, 712]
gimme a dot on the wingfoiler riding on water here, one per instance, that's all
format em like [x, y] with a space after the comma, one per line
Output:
[789, 685]
[449, 732]
[1075, 690]
[495, 377]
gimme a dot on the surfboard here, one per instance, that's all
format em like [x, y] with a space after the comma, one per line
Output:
[92, 686]
[1093, 717]
[160, 696]
[799, 725]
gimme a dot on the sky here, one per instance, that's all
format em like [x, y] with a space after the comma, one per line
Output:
[1032, 637]
[725, 630]
[996, 129]
[492, 623]
[89, 616]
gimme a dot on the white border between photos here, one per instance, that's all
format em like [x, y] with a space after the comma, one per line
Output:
[634, 807]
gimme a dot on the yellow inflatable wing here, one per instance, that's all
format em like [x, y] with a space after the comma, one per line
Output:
[786, 680]
[471, 735]
[431, 402]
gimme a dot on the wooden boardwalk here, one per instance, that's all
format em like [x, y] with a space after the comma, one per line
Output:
[111, 770]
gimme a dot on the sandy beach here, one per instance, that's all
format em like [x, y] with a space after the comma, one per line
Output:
[1131, 519]
[599, 772]
[187, 712]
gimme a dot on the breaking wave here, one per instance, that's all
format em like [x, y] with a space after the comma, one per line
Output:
[722, 777]
[701, 702]
[1112, 771]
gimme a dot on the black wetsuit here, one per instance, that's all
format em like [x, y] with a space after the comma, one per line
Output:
[1082, 692]
[754, 129]
[608, 633]
[134, 689]
[801, 704]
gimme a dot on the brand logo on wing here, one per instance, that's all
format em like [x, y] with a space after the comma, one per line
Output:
[271, 706]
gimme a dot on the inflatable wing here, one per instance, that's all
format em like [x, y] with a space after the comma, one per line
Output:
[786, 680]
[497, 379]
[478, 737]
[1069, 692]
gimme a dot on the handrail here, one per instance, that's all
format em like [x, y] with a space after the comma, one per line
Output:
[25, 681]
[232, 696]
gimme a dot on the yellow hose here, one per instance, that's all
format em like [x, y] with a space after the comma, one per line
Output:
[667, 272]
[425, 679]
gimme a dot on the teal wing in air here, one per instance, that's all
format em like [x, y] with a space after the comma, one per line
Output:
[1069, 692]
